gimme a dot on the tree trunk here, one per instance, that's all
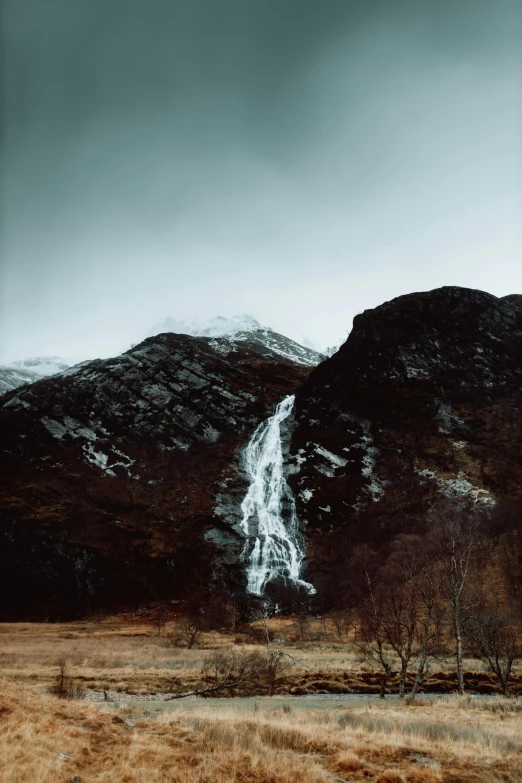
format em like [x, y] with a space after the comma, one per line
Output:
[382, 694]
[460, 671]
[402, 679]
[418, 677]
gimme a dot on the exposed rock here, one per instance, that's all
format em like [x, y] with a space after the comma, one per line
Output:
[120, 478]
[514, 301]
[424, 397]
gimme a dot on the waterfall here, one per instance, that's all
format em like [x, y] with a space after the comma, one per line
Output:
[269, 513]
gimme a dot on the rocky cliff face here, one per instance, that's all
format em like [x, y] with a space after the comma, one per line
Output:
[424, 397]
[121, 479]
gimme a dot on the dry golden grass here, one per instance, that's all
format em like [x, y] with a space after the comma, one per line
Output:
[449, 741]
[125, 656]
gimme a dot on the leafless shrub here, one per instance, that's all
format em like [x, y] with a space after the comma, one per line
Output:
[228, 672]
[276, 662]
[64, 686]
[173, 640]
[191, 630]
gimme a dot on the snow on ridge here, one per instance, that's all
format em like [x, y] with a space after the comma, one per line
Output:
[214, 327]
[240, 328]
[41, 365]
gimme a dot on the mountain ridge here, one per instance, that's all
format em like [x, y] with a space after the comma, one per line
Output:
[243, 329]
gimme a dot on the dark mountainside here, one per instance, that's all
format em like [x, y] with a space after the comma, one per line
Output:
[424, 397]
[113, 474]
[122, 479]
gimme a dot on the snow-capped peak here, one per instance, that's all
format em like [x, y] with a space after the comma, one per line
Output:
[214, 327]
[24, 371]
[242, 329]
[41, 365]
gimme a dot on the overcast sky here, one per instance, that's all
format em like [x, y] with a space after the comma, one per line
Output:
[298, 160]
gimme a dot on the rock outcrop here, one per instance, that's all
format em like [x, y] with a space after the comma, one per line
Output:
[120, 478]
[424, 397]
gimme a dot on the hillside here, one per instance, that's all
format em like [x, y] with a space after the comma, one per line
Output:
[423, 398]
[114, 470]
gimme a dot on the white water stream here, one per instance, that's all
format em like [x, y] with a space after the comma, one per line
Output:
[269, 512]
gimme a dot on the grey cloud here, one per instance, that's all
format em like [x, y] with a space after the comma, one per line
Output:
[297, 159]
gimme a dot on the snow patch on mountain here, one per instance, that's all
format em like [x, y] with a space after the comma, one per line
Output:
[214, 327]
[242, 329]
[457, 486]
[25, 371]
[41, 365]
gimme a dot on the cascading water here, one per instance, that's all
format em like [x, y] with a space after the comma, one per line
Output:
[269, 512]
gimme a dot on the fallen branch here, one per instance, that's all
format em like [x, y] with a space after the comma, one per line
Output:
[207, 690]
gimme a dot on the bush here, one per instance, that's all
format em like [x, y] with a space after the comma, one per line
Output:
[64, 686]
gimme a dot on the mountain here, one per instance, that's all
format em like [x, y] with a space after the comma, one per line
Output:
[121, 478]
[245, 330]
[424, 397]
[42, 365]
[30, 370]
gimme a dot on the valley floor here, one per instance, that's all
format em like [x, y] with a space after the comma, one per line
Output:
[131, 661]
[45, 740]
[284, 739]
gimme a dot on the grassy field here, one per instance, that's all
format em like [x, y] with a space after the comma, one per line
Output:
[45, 740]
[281, 740]
[127, 657]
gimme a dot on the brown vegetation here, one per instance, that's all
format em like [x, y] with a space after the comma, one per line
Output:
[459, 741]
[126, 656]
[433, 596]
[262, 740]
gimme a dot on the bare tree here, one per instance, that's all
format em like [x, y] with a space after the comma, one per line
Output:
[454, 536]
[342, 620]
[276, 659]
[372, 618]
[160, 617]
[301, 610]
[422, 574]
[494, 637]
[400, 612]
